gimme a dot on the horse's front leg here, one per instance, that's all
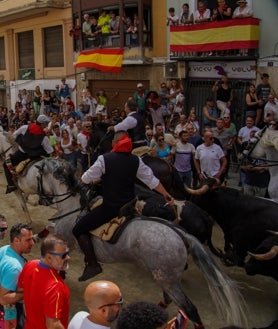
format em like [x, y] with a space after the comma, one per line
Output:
[23, 204]
[166, 300]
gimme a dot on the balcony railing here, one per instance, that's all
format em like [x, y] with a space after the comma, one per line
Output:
[234, 38]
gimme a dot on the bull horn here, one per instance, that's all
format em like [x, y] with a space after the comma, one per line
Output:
[202, 190]
[272, 232]
[272, 253]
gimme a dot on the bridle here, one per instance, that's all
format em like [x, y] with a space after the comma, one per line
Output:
[47, 198]
[250, 160]
[2, 154]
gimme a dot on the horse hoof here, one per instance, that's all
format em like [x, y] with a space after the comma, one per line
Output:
[162, 304]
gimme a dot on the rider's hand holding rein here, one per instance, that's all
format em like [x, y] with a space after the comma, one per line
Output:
[169, 200]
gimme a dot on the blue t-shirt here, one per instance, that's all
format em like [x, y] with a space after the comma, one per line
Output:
[163, 153]
[11, 265]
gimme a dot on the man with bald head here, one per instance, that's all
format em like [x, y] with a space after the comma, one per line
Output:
[103, 300]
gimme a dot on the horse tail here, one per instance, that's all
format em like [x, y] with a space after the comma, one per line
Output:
[225, 293]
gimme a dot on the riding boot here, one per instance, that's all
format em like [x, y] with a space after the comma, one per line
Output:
[11, 187]
[92, 267]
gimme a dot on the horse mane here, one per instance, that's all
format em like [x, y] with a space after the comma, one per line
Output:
[61, 170]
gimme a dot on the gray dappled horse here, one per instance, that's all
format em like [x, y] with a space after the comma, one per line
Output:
[267, 148]
[159, 247]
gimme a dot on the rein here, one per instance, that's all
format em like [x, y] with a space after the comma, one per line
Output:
[103, 139]
[64, 215]
[268, 163]
[49, 197]
[5, 151]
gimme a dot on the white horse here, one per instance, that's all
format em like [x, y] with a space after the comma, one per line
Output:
[143, 242]
[267, 147]
[27, 183]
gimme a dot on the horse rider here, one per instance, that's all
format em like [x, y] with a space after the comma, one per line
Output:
[133, 124]
[32, 144]
[118, 171]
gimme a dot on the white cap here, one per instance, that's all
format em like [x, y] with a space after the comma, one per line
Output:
[140, 84]
[43, 119]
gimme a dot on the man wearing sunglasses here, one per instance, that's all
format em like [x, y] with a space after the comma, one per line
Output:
[11, 263]
[104, 301]
[45, 295]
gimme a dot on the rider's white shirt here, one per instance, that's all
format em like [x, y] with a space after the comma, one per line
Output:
[128, 123]
[97, 170]
[45, 142]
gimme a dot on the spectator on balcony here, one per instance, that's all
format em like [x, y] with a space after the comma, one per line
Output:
[172, 18]
[103, 24]
[242, 10]
[185, 17]
[224, 95]
[86, 29]
[132, 30]
[138, 23]
[221, 12]
[95, 32]
[114, 23]
[202, 14]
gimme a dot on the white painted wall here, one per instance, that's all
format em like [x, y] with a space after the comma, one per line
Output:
[16, 86]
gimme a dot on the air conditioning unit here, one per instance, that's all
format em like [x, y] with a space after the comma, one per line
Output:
[171, 70]
[174, 70]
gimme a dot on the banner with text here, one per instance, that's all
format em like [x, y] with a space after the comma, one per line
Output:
[213, 70]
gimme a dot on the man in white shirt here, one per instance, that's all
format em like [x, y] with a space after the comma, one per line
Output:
[104, 301]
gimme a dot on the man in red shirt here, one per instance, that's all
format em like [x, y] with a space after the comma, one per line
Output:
[46, 296]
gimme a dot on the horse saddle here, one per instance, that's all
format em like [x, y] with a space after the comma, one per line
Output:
[23, 166]
[112, 230]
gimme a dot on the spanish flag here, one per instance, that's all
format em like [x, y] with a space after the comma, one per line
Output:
[222, 35]
[102, 59]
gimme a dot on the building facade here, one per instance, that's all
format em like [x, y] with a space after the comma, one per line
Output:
[35, 46]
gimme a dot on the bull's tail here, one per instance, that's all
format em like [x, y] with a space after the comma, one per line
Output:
[225, 294]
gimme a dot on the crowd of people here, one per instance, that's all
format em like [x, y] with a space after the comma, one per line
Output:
[104, 30]
[196, 146]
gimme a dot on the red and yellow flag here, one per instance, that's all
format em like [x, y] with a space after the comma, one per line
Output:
[102, 59]
[222, 35]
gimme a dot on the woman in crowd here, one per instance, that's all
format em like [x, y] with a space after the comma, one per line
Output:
[67, 146]
[37, 100]
[161, 149]
[252, 103]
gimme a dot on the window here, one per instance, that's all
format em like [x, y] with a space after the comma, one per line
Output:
[53, 46]
[2, 54]
[26, 50]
